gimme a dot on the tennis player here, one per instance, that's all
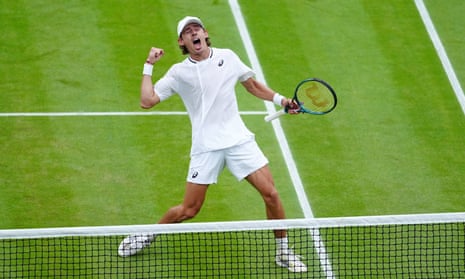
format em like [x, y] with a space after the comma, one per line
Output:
[206, 81]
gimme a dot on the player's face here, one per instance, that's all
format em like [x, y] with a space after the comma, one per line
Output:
[193, 37]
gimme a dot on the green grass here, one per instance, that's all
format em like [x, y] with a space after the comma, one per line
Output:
[394, 144]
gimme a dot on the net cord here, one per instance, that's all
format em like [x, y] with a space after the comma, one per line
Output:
[311, 223]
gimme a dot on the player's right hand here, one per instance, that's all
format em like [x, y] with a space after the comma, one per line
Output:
[154, 55]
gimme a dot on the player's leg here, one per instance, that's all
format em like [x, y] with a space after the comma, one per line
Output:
[248, 161]
[262, 180]
[193, 201]
[204, 169]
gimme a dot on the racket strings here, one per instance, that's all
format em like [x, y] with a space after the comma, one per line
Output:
[315, 97]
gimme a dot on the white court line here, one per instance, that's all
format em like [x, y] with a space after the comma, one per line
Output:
[441, 52]
[295, 177]
[109, 113]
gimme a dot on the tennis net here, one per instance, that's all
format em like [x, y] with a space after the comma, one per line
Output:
[395, 246]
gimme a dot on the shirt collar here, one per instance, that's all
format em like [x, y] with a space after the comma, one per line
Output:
[195, 61]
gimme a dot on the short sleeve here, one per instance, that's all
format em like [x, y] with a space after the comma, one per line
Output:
[165, 87]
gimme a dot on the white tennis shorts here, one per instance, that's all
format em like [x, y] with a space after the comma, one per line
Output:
[241, 160]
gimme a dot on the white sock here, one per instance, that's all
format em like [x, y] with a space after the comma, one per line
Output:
[282, 244]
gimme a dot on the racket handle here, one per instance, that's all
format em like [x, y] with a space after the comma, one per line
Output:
[274, 115]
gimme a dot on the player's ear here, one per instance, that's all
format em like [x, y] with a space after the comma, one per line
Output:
[180, 41]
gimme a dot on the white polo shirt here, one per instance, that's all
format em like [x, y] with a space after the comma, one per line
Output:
[207, 90]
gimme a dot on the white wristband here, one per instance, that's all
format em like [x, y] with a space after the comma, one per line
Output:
[148, 69]
[278, 99]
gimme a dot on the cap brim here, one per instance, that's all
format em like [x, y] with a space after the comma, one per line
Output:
[186, 23]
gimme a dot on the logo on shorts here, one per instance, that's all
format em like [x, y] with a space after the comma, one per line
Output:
[195, 174]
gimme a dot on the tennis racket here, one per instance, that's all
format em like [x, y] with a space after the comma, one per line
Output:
[313, 96]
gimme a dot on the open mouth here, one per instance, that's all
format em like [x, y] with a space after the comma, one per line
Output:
[197, 44]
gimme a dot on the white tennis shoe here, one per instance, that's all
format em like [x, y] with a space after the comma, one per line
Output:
[134, 243]
[290, 261]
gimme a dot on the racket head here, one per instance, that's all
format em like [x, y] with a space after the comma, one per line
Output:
[315, 96]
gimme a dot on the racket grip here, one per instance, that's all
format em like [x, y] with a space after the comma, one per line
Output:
[274, 115]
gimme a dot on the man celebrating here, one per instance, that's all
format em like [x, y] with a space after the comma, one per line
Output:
[206, 81]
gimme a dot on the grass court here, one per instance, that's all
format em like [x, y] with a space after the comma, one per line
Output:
[394, 144]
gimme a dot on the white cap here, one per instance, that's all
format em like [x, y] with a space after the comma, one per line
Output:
[186, 21]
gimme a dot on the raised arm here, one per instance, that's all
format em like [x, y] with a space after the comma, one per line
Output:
[148, 97]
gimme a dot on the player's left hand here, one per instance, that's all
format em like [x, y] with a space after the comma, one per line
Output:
[292, 107]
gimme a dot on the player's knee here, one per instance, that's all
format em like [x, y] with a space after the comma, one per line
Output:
[191, 212]
[272, 197]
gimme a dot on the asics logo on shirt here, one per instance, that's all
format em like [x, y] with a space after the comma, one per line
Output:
[221, 63]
